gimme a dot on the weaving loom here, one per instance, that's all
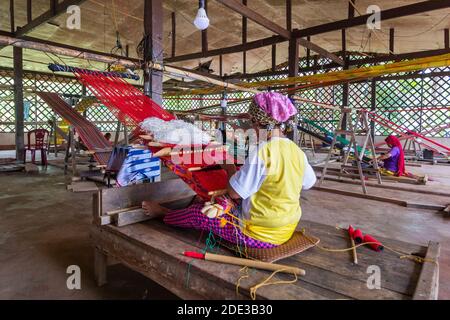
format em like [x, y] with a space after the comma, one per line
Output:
[88, 132]
[132, 107]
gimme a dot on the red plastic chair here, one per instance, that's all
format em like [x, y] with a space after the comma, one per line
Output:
[40, 138]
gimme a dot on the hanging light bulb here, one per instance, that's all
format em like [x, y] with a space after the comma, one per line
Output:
[201, 21]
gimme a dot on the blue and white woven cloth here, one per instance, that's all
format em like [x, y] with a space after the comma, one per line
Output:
[139, 167]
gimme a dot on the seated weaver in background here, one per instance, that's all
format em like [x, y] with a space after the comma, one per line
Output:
[262, 206]
[393, 162]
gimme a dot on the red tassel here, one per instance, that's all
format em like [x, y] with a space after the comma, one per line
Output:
[194, 255]
[358, 236]
[376, 245]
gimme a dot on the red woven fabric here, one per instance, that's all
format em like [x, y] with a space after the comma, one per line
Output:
[129, 104]
[202, 182]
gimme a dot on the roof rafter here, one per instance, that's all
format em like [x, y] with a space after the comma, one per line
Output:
[323, 52]
[256, 17]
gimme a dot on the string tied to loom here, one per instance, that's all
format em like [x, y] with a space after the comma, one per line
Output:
[402, 255]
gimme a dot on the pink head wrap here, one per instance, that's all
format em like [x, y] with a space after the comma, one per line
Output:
[277, 106]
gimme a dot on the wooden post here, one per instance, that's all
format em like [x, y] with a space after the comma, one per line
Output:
[221, 65]
[289, 15]
[446, 38]
[205, 33]
[373, 105]
[391, 40]
[308, 53]
[351, 9]
[29, 11]
[174, 32]
[116, 138]
[53, 4]
[244, 40]
[11, 16]
[67, 154]
[55, 137]
[100, 267]
[18, 101]
[293, 59]
[345, 86]
[125, 133]
[153, 49]
[274, 57]
[73, 152]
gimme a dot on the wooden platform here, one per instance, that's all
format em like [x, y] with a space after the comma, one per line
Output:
[155, 250]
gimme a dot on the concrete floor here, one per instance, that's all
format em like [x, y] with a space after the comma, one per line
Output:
[44, 229]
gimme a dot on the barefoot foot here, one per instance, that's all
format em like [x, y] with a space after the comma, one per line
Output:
[153, 209]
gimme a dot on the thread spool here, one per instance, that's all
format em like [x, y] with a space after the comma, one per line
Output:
[351, 231]
[375, 245]
[358, 236]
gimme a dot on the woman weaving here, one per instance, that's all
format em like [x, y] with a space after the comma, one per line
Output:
[267, 187]
[393, 162]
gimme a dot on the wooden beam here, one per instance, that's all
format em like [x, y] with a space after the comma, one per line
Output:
[56, 48]
[221, 65]
[18, 104]
[105, 58]
[354, 62]
[174, 33]
[323, 52]
[428, 283]
[232, 49]
[256, 17]
[205, 78]
[153, 51]
[391, 40]
[55, 10]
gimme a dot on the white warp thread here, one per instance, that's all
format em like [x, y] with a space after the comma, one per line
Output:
[175, 132]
